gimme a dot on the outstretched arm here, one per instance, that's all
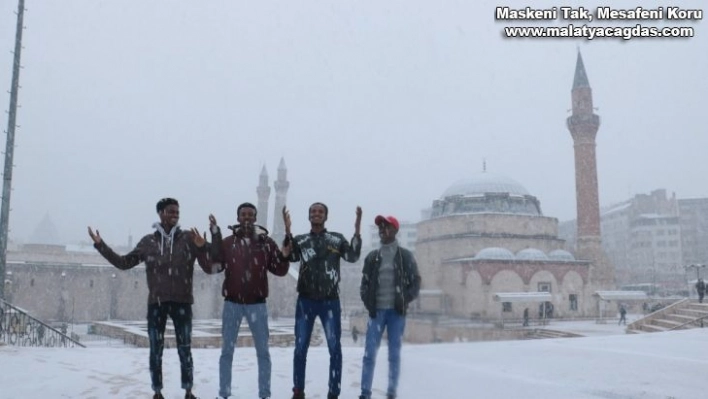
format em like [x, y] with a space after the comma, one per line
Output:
[352, 251]
[357, 222]
[125, 262]
[215, 264]
[290, 249]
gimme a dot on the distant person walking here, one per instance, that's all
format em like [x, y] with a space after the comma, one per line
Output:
[246, 257]
[526, 317]
[169, 254]
[390, 281]
[623, 315]
[701, 289]
[319, 253]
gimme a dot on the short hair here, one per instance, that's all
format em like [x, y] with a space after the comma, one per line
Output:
[163, 203]
[323, 205]
[246, 205]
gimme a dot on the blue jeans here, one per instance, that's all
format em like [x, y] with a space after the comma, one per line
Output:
[257, 317]
[181, 315]
[330, 314]
[392, 321]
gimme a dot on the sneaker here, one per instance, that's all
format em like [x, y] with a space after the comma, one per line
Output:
[158, 395]
[297, 394]
[332, 396]
[189, 395]
[389, 396]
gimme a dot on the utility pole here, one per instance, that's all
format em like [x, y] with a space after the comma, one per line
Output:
[10, 147]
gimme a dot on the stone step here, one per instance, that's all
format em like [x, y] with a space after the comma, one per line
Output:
[666, 323]
[693, 311]
[652, 328]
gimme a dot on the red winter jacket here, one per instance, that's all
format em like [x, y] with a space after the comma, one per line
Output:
[246, 262]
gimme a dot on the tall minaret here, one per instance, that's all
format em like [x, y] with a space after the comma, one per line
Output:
[263, 191]
[281, 193]
[583, 125]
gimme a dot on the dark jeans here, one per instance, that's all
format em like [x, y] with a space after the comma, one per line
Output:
[181, 315]
[330, 314]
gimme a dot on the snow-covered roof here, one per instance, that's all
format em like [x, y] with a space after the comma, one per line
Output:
[522, 297]
[495, 253]
[531, 254]
[621, 295]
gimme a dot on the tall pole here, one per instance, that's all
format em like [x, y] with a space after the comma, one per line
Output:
[10, 147]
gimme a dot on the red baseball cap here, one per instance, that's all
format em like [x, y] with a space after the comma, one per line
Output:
[388, 219]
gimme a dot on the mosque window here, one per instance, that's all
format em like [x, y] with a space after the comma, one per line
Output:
[32, 283]
[506, 306]
[544, 287]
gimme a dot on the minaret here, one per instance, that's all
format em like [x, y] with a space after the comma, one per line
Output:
[583, 125]
[281, 192]
[263, 191]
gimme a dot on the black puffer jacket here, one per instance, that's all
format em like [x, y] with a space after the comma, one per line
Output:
[319, 255]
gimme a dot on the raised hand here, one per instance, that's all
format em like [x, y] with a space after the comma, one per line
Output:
[199, 240]
[96, 237]
[286, 220]
[357, 223]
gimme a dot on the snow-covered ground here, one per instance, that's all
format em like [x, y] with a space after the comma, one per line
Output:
[605, 364]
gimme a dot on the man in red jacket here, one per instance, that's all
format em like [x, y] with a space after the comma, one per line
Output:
[246, 257]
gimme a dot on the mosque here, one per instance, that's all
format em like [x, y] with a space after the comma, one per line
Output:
[486, 250]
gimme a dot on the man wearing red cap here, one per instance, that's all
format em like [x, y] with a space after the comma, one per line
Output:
[389, 283]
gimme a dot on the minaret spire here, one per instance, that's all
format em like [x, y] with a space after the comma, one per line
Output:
[263, 191]
[281, 192]
[583, 125]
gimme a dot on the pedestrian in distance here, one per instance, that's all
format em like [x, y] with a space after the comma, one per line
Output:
[623, 315]
[701, 289]
[319, 253]
[169, 255]
[390, 281]
[246, 257]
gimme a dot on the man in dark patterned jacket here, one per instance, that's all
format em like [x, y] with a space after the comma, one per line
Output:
[245, 257]
[169, 254]
[319, 253]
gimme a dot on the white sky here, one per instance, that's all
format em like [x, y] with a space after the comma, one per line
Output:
[378, 104]
[649, 366]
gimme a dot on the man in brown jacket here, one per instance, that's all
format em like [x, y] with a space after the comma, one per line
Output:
[169, 254]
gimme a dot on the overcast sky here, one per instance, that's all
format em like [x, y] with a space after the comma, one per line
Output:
[378, 104]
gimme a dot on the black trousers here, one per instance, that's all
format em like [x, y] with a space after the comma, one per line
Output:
[181, 315]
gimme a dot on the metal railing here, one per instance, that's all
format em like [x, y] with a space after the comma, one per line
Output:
[17, 328]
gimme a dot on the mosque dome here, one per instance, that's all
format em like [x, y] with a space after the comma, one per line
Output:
[486, 193]
[483, 183]
[560, 254]
[495, 253]
[531, 254]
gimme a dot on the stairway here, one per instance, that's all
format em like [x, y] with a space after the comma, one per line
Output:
[18, 328]
[681, 315]
[543, 333]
